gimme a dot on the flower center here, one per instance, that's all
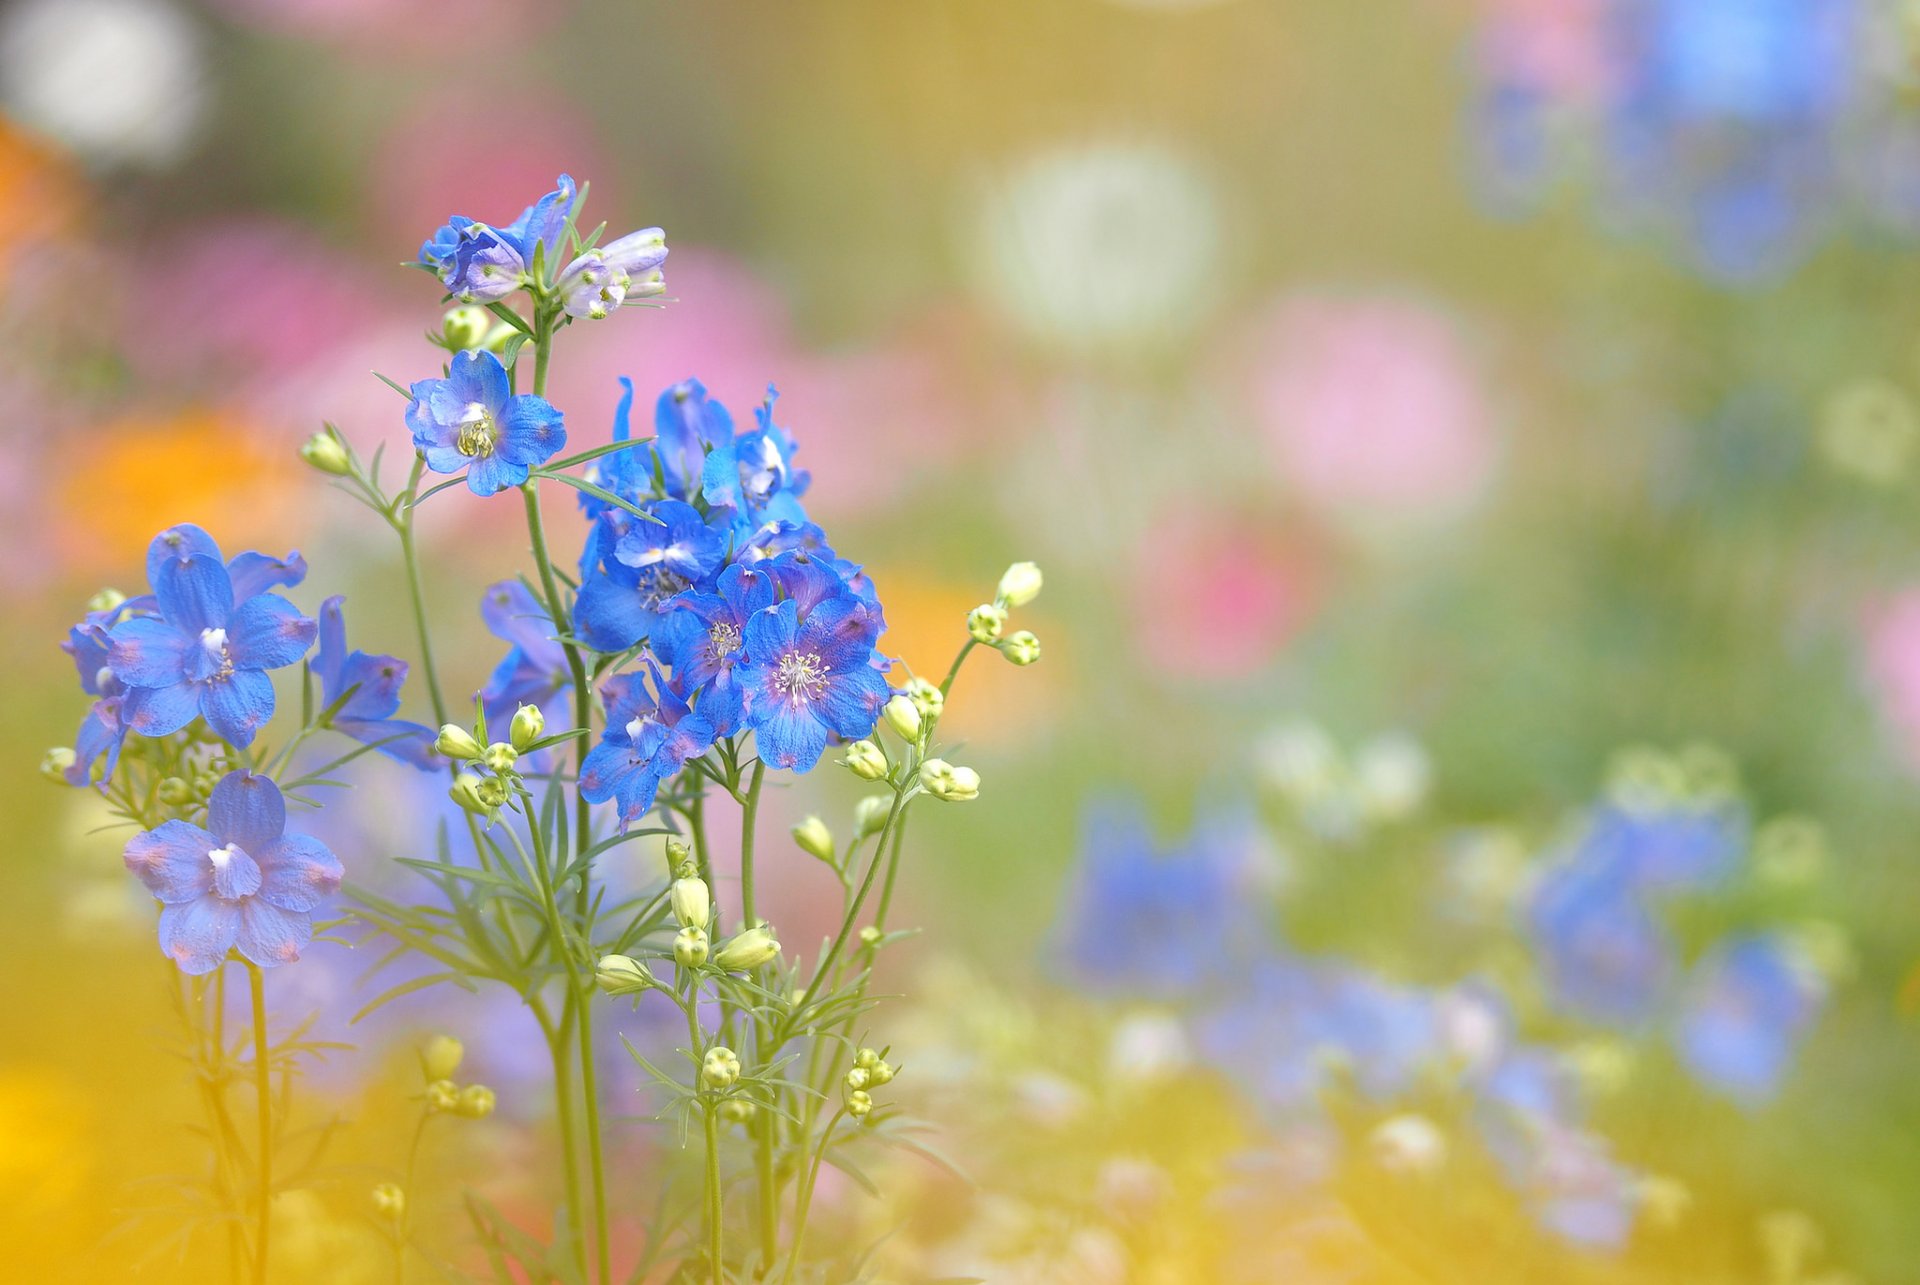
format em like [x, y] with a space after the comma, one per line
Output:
[723, 639]
[800, 675]
[214, 643]
[478, 431]
[656, 584]
[220, 856]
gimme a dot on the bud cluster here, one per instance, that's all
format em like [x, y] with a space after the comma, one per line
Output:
[484, 796]
[987, 623]
[440, 1059]
[869, 1072]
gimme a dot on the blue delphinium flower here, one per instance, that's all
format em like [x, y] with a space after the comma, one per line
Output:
[1528, 1114]
[650, 736]
[808, 676]
[678, 541]
[473, 420]
[1606, 957]
[703, 639]
[621, 602]
[370, 686]
[600, 280]
[1749, 1004]
[534, 671]
[481, 263]
[240, 883]
[103, 731]
[206, 650]
[1666, 849]
[752, 475]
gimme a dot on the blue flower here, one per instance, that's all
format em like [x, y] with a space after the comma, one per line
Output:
[239, 883]
[687, 424]
[635, 569]
[1605, 956]
[480, 263]
[534, 671]
[215, 634]
[678, 541]
[703, 639]
[810, 675]
[1748, 1005]
[1666, 849]
[472, 420]
[597, 282]
[752, 474]
[374, 682]
[650, 736]
[103, 731]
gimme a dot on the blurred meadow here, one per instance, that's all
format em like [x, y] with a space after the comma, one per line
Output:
[1462, 825]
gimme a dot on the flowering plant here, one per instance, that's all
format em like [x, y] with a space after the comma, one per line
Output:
[706, 634]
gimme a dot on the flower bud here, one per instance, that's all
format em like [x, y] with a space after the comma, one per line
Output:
[746, 950]
[466, 792]
[1020, 585]
[440, 1057]
[690, 947]
[106, 600]
[476, 1102]
[679, 866]
[870, 936]
[737, 1109]
[857, 1078]
[500, 757]
[868, 1058]
[528, 725]
[389, 1201]
[647, 285]
[1021, 647]
[443, 1095]
[866, 760]
[903, 716]
[327, 453]
[815, 839]
[494, 793]
[879, 1073]
[692, 902]
[986, 621]
[870, 814]
[55, 762]
[859, 1103]
[176, 792]
[465, 327]
[945, 781]
[500, 339]
[457, 742]
[622, 975]
[926, 697]
[1410, 1145]
[719, 1068]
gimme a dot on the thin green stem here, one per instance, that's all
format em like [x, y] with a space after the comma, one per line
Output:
[749, 815]
[264, 1090]
[403, 526]
[839, 943]
[804, 1199]
[714, 1209]
[400, 1230]
[953, 670]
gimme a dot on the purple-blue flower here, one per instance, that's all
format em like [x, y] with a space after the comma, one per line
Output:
[1749, 1003]
[214, 635]
[752, 475]
[597, 282]
[367, 689]
[703, 639]
[481, 263]
[240, 883]
[1606, 957]
[534, 671]
[650, 736]
[808, 676]
[636, 568]
[103, 731]
[472, 420]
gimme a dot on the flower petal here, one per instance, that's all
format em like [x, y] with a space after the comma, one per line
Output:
[148, 652]
[157, 711]
[477, 376]
[171, 860]
[851, 702]
[531, 430]
[269, 935]
[198, 934]
[238, 705]
[253, 573]
[177, 544]
[194, 594]
[245, 808]
[268, 632]
[297, 872]
[788, 735]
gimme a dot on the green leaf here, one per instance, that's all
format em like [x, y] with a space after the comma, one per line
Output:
[408, 987]
[607, 448]
[598, 493]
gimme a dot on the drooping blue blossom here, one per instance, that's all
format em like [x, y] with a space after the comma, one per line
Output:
[752, 475]
[482, 263]
[703, 639]
[367, 689]
[215, 632]
[808, 676]
[241, 883]
[650, 735]
[1527, 1111]
[103, 731]
[597, 282]
[1748, 1006]
[534, 671]
[473, 420]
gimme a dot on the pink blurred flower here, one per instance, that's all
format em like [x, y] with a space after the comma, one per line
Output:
[1559, 48]
[397, 28]
[1218, 596]
[1891, 644]
[1372, 408]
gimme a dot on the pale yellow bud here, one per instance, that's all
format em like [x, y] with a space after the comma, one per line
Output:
[719, 1068]
[1020, 585]
[443, 1095]
[692, 902]
[440, 1057]
[859, 1103]
[986, 622]
[903, 716]
[866, 760]
[527, 727]
[746, 950]
[814, 839]
[326, 453]
[1021, 647]
[690, 947]
[389, 1201]
[457, 742]
[500, 757]
[622, 975]
[476, 1102]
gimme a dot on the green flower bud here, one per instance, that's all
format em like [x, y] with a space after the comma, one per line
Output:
[440, 1057]
[176, 792]
[870, 936]
[327, 453]
[866, 760]
[859, 1103]
[1020, 585]
[389, 1201]
[690, 947]
[466, 792]
[55, 762]
[494, 792]
[719, 1068]
[203, 783]
[986, 621]
[499, 339]
[870, 814]
[815, 839]
[926, 697]
[528, 725]
[679, 864]
[476, 1102]
[737, 1109]
[457, 742]
[879, 1073]
[945, 781]
[1021, 647]
[466, 327]
[868, 1058]
[903, 716]
[857, 1078]
[746, 950]
[106, 600]
[500, 756]
[443, 1095]
[692, 902]
[622, 975]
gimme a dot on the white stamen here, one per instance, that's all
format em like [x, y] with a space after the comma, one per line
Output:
[214, 640]
[220, 856]
[635, 728]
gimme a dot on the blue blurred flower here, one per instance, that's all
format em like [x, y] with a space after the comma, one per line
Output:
[370, 686]
[240, 883]
[1748, 1006]
[103, 731]
[703, 639]
[534, 671]
[215, 634]
[808, 675]
[650, 736]
[480, 263]
[1606, 957]
[472, 420]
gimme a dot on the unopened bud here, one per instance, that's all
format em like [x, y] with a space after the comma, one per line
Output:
[106, 600]
[622, 975]
[737, 1109]
[866, 760]
[945, 781]
[1020, 585]
[176, 792]
[868, 1058]
[476, 1102]
[870, 814]
[648, 285]
[443, 1095]
[815, 839]
[440, 1057]
[327, 453]
[859, 1103]
[692, 902]
[55, 762]
[879, 1073]
[926, 697]
[528, 724]
[500, 757]
[986, 621]
[870, 936]
[466, 327]
[690, 947]
[466, 792]
[857, 1078]
[389, 1201]
[1021, 647]
[719, 1068]
[678, 864]
[903, 716]
[457, 742]
[494, 792]
[746, 950]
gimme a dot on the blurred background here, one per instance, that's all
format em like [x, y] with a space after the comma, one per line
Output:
[1461, 828]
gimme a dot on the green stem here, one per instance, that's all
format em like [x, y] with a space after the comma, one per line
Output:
[953, 671]
[596, 1159]
[839, 943]
[411, 555]
[749, 814]
[804, 1199]
[400, 1232]
[713, 1195]
[261, 1086]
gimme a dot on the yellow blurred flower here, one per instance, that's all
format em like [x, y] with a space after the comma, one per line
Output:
[47, 1155]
